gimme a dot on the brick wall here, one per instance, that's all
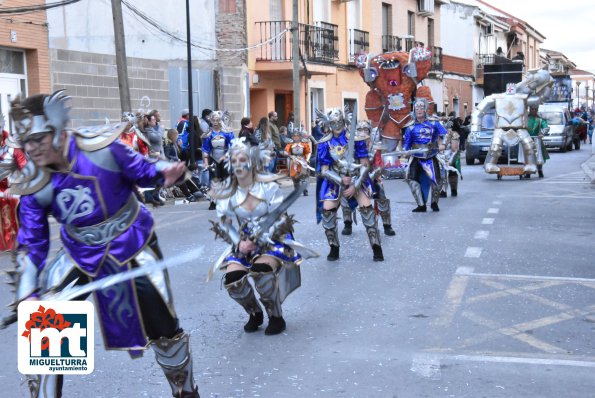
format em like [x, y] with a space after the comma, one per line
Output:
[92, 82]
[458, 65]
[461, 89]
[32, 36]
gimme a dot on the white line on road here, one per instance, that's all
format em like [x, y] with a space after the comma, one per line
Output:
[469, 272]
[426, 365]
[487, 221]
[497, 202]
[493, 210]
[473, 252]
[529, 361]
[481, 235]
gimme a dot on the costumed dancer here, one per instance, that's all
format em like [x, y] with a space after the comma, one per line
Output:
[253, 220]
[424, 169]
[511, 117]
[85, 178]
[450, 161]
[214, 149]
[133, 136]
[381, 202]
[298, 153]
[11, 159]
[344, 165]
[537, 127]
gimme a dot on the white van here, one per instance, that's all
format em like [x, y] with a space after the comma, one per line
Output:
[562, 134]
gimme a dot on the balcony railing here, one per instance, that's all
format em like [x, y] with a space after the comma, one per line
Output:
[391, 43]
[490, 59]
[359, 42]
[436, 58]
[409, 43]
[317, 43]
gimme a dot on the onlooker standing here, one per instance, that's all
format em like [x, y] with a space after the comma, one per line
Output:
[274, 130]
[172, 153]
[263, 134]
[284, 136]
[247, 132]
[183, 139]
[155, 138]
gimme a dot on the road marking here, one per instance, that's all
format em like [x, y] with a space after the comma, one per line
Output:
[465, 271]
[497, 202]
[453, 297]
[473, 252]
[481, 235]
[487, 221]
[493, 210]
[426, 365]
[520, 360]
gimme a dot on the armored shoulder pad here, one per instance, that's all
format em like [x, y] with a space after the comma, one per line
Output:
[411, 122]
[98, 137]
[29, 180]
[326, 138]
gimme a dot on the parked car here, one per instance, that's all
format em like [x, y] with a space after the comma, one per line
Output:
[478, 143]
[562, 134]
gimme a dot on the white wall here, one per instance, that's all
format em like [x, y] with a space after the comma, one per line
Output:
[458, 30]
[88, 26]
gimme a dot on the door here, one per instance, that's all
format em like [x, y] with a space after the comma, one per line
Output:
[9, 89]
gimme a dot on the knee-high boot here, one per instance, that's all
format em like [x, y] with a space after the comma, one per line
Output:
[45, 386]
[347, 217]
[384, 210]
[369, 221]
[491, 161]
[329, 223]
[174, 357]
[453, 181]
[267, 285]
[241, 291]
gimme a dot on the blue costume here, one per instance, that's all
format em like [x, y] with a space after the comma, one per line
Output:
[424, 169]
[215, 146]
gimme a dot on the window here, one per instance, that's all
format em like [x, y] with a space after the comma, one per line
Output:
[387, 19]
[227, 6]
[430, 32]
[12, 62]
[410, 23]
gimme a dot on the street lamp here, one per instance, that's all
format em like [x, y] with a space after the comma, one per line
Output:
[446, 106]
[578, 98]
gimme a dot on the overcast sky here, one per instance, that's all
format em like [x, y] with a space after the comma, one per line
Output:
[569, 26]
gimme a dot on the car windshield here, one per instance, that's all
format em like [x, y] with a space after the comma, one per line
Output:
[487, 122]
[552, 118]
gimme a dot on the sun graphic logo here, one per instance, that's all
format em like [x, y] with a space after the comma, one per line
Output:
[55, 337]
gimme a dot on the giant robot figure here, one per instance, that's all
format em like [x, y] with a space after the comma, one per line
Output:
[511, 117]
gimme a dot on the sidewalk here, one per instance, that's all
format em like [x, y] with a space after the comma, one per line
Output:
[589, 166]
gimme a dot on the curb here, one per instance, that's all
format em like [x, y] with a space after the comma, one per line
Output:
[589, 168]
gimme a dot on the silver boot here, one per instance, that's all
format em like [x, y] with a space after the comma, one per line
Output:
[241, 291]
[267, 286]
[45, 386]
[369, 221]
[173, 355]
[416, 191]
[329, 223]
[492, 159]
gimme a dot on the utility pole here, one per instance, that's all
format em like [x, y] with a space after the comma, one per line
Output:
[295, 56]
[121, 56]
[190, 102]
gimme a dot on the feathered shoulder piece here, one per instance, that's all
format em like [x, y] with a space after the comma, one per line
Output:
[95, 138]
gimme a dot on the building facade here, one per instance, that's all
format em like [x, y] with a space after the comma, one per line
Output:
[82, 58]
[24, 64]
[331, 34]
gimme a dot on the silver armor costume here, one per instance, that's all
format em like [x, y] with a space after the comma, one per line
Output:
[511, 110]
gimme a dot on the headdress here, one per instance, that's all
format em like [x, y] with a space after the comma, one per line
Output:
[334, 118]
[39, 114]
[222, 117]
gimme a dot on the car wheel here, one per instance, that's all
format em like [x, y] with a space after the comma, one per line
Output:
[469, 160]
[563, 148]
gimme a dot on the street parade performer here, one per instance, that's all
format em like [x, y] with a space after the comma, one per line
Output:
[214, 149]
[253, 220]
[395, 82]
[344, 166]
[450, 162]
[424, 134]
[84, 178]
[511, 117]
[298, 153]
[381, 202]
[537, 127]
[11, 159]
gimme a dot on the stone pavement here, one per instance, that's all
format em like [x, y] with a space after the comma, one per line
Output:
[589, 167]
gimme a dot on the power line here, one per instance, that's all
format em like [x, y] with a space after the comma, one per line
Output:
[157, 26]
[36, 8]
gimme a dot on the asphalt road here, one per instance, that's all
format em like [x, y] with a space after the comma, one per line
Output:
[494, 296]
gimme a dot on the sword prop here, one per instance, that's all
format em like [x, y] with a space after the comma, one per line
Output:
[71, 291]
[408, 152]
[301, 162]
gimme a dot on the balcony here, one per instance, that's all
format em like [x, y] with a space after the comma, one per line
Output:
[487, 59]
[359, 42]
[317, 43]
[391, 43]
